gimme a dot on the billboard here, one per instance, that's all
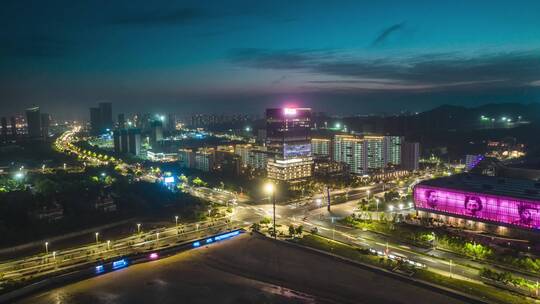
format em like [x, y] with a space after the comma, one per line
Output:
[483, 207]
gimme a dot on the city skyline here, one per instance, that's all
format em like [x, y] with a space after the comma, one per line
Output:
[196, 57]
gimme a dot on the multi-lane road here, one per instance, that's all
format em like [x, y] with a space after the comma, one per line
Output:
[310, 212]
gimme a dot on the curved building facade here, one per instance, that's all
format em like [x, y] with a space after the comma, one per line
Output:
[480, 201]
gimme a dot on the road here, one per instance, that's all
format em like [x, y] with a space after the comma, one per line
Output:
[309, 212]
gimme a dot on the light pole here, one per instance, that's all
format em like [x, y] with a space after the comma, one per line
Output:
[138, 228]
[269, 189]
[157, 237]
[377, 203]
[367, 192]
[176, 220]
[46, 247]
[97, 238]
[108, 245]
[54, 255]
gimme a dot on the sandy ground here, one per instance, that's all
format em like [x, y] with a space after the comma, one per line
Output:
[247, 269]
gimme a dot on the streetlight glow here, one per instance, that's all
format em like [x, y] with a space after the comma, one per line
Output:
[269, 188]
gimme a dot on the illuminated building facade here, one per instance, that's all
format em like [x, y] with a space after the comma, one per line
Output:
[321, 148]
[481, 202]
[288, 140]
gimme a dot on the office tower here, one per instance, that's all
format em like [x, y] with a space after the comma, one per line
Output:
[4, 129]
[13, 127]
[127, 141]
[410, 155]
[121, 121]
[45, 125]
[288, 138]
[392, 150]
[33, 122]
[117, 141]
[171, 122]
[156, 133]
[134, 142]
[105, 109]
[95, 121]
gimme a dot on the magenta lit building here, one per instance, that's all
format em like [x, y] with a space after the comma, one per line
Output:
[499, 205]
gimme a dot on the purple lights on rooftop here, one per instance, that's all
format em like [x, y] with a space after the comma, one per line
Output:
[497, 209]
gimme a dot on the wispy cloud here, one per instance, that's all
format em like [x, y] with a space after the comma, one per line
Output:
[425, 71]
[385, 33]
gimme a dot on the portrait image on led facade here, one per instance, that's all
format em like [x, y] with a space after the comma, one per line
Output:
[498, 209]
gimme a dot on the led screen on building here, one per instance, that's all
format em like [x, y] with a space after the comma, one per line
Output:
[298, 150]
[497, 209]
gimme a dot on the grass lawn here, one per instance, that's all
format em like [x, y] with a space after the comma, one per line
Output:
[354, 253]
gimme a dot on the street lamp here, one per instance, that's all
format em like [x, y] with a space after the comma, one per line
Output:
[367, 192]
[269, 189]
[54, 255]
[176, 220]
[97, 238]
[46, 247]
[138, 228]
[157, 236]
[108, 245]
[377, 203]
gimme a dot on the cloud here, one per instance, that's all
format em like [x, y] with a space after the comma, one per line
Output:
[381, 38]
[181, 16]
[424, 71]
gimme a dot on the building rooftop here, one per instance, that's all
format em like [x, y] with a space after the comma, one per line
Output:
[503, 186]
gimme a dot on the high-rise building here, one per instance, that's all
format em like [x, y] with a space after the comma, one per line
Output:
[243, 152]
[186, 158]
[134, 141]
[13, 124]
[392, 150]
[105, 109]
[321, 148]
[121, 121]
[4, 129]
[204, 160]
[350, 150]
[375, 152]
[171, 122]
[288, 138]
[45, 125]
[410, 155]
[33, 121]
[156, 133]
[127, 141]
[96, 126]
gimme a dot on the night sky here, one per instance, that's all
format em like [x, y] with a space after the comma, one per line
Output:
[241, 56]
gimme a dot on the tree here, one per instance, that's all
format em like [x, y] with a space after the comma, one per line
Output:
[299, 230]
[46, 187]
[265, 221]
[291, 230]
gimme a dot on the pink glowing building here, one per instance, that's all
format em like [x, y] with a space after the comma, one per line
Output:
[481, 202]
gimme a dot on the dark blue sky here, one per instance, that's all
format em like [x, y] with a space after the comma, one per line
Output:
[241, 56]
